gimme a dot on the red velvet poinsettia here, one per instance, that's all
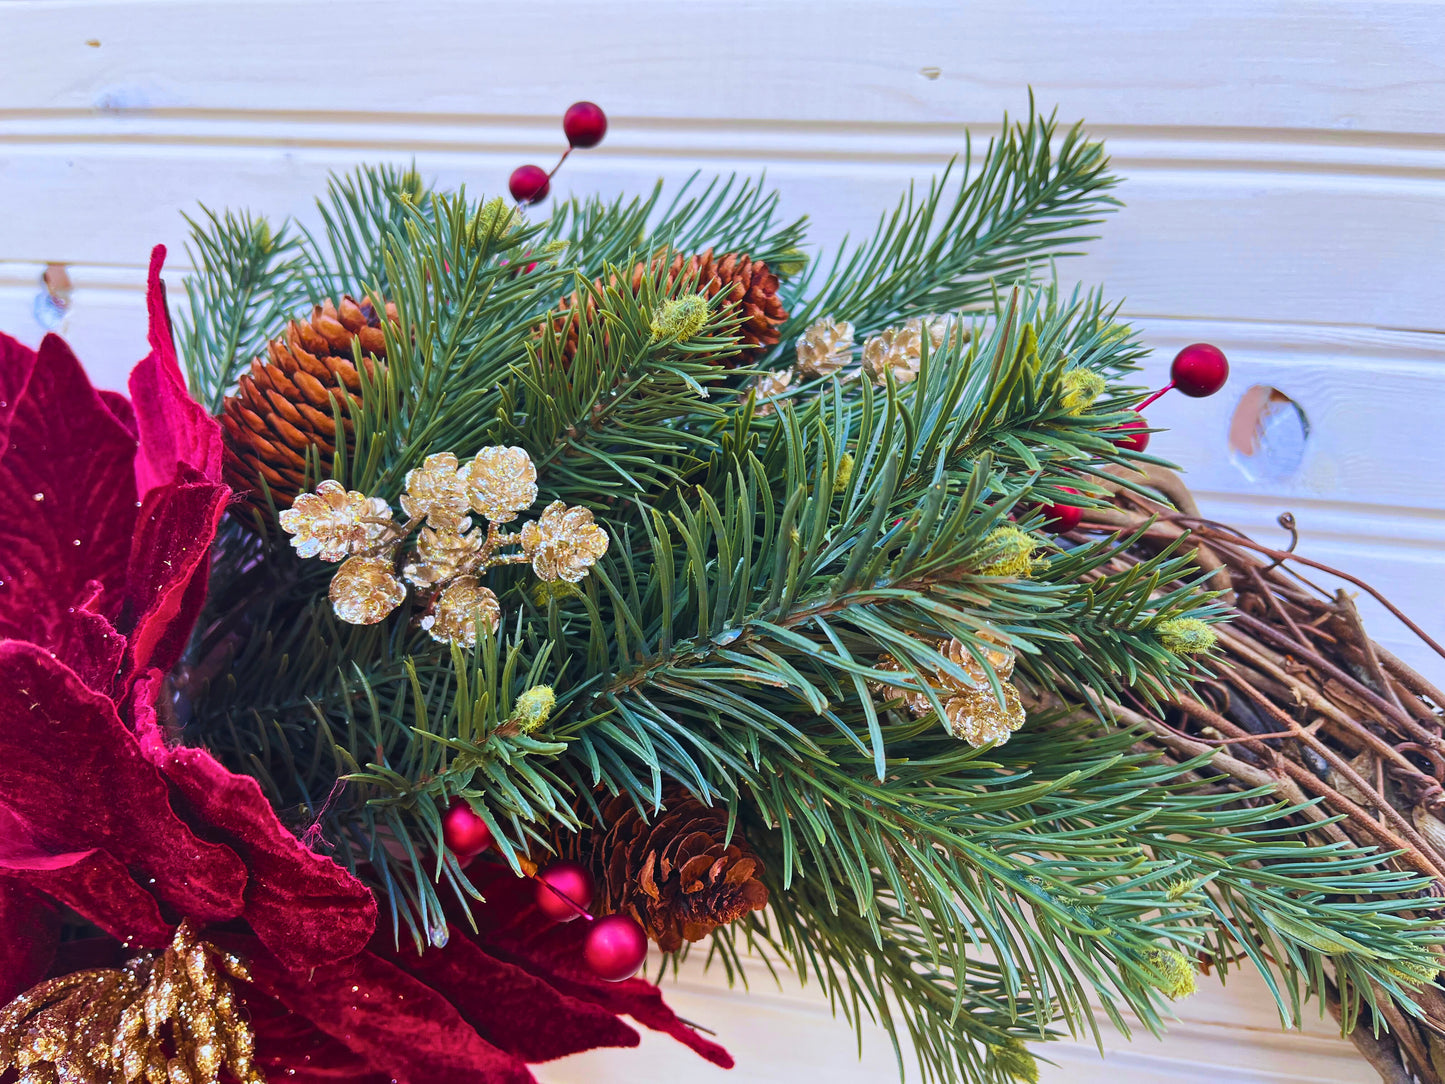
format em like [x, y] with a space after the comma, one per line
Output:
[107, 511]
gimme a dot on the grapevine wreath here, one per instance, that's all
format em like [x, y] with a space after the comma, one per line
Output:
[498, 594]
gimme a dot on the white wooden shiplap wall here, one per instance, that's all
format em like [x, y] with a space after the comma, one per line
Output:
[1285, 190]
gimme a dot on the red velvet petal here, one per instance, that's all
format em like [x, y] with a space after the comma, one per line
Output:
[175, 430]
[16, 363]
[29, 932]
[306, 908]
[288, 1047]
[166, 585]
[71, 770]
[508, 1006]
[394, 1023]
[511, 928]
[90, 882]
[67, 498]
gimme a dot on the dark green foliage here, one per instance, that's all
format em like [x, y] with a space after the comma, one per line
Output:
[763, 570]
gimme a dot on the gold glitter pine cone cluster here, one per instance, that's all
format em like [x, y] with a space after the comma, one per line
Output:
[972, 712]
[283, 405]
[448, 555]
[676, 876]
[167, 1017]
[827, 348]
[746, 283]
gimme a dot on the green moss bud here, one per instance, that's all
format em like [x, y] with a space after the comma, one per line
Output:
[1013, 1061]
[545, 591]
[1186, 636]
[791, 263]
[494, 218]
[1081, 387]
[681, 318]
[845, 473]
[1177, 890]
[1008, 551]
[1173, 973]
[534, 707]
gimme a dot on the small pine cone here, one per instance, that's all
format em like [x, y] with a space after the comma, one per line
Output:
[674, 875]
[283, 405]
[747, 283]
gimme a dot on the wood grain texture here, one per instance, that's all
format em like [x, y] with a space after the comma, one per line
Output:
[1284, 165]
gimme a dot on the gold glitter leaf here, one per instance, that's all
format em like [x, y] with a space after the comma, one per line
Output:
[501, 482]
[365, 589]
[563, 543]
[333, 523]
[167, 1017]
[437, 491]
[825, 347]
[454, 615]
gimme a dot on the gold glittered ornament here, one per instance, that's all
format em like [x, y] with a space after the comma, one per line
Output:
[457, 609]
[825, 347]
[899, 350]
[977, 716]
[563, 543]
[973, 712]
[365, 589]
[768, 387]
[333, 523]
[441, 555]
[437, 492]
[448, 554]
[168, 1017]
[501, 482]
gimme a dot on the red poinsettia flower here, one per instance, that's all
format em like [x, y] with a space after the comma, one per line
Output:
[108, 508]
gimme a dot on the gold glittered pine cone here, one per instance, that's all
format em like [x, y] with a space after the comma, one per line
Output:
[746, 283]
[365, 589]
[825, 347]
[676, 876]
[456, 610]
[283, 405]
[899, 350]
[440, 556]
[563, 543]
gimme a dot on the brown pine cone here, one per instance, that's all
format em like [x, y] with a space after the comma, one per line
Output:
[745, 282]
[284, 404]
[673, 875]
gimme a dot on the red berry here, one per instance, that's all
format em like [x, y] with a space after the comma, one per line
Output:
[1062, 517]
[561, 885]
[529, 184]
[1199, 370]
[615, 947]
[464, 833]
[1137, 438]
[585, 124]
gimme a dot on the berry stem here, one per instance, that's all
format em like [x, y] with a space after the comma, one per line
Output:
[559, 163]
[1167, 387]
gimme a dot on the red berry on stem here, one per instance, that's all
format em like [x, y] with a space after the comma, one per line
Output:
[559, 887]
[464, 833]
[1063, 517]
[585, 124]
[615, 947]
[1199, 370]
[529, 184]
[1137, 438]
